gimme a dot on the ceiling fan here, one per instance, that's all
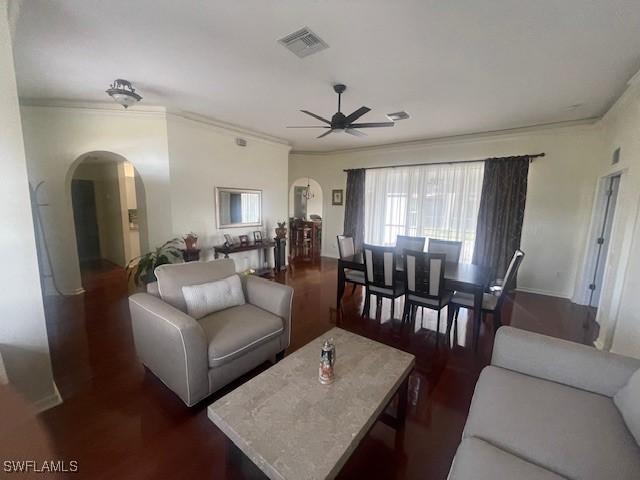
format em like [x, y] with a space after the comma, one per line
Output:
[343, 122]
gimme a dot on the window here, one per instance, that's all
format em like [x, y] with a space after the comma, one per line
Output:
[433, 201]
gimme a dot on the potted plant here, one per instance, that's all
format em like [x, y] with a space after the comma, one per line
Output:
[143, 266]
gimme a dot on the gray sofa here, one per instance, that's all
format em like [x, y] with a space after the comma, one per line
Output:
[194, 358]
[543, 409]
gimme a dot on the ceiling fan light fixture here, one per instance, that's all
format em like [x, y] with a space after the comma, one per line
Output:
[123, 93]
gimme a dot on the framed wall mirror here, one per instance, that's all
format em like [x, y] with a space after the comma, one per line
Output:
[238, 207]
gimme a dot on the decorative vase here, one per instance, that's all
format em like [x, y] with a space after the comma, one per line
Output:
[281, 230]
[190, 241]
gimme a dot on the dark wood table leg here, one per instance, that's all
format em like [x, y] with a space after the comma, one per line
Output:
[397, 421]
[341, 282]
[477, 316]
[403, 398]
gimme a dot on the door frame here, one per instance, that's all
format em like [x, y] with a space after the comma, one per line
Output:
[582, 293]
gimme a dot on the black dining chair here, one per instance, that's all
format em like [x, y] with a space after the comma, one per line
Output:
[451, 248]
[424, 283]
[491, 302]
[346, 248]
[380, 278]
[409, 243]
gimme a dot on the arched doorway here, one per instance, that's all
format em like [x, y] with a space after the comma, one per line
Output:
[300, 206]
[109, 212]
[306, 205]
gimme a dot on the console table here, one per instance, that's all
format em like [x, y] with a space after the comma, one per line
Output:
[261, 247]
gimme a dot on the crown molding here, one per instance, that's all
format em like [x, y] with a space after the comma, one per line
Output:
[93, 107]
[111, 108]
[230, 128]
[635, 79]
[546, 128]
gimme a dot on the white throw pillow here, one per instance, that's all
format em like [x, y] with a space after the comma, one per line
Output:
[628, 402]
[212, 297]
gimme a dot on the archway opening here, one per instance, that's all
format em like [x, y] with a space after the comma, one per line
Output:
[109, 213]
[306, 204]
[300, 205]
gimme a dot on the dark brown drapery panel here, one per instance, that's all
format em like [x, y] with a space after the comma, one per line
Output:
[354, 207]
[504, 194]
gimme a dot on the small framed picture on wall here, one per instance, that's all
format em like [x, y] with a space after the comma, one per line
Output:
[337, 197]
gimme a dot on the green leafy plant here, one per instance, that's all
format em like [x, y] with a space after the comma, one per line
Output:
[143, 266]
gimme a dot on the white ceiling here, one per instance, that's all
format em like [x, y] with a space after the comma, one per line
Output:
[460, 66]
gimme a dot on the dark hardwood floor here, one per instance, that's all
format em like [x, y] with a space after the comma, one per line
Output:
[119, 421]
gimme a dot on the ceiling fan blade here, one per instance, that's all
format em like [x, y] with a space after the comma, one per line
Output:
[318, 117]
[369, 125]
[311, 126]
[325, 133]
[356, 115]
[355, 133]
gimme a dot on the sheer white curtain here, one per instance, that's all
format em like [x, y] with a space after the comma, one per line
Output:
[434, 201]
[250, 207]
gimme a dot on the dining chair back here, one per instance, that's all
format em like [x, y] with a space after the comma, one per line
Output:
[380, 266]
[346, 247]
[424, 274]
[406, 242]
[450, 248]
[510, 276]
[424, 280]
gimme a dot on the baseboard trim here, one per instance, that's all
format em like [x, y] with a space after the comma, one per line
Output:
[599, 344]
[542, 292]
[49, 401]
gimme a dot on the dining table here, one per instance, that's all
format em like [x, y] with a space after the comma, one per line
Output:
[460, 277]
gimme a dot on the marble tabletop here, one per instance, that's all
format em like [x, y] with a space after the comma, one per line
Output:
[293, 427]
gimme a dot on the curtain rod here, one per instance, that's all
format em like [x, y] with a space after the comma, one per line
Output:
[531, 158]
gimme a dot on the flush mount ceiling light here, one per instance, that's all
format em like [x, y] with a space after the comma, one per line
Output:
[123, 93]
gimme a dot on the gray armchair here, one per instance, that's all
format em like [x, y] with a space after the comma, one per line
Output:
[194, 358]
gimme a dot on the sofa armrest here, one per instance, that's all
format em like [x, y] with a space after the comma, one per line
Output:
[272, 297]
[172, 345]
[561, 361]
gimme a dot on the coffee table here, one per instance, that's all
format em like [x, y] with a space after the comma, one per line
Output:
[292, 427]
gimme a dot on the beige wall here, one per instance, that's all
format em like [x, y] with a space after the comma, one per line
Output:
[202, 157]
[23, 335]
[56, 138]
[559, 199]
[619, 313]
[180, 161]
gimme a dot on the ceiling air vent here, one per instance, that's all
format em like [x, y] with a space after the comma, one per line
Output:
[303, 42]
[396, 116]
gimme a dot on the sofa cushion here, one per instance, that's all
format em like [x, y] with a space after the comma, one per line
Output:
[628, 402]
[571, 432]
[479, 460]
[172, 277]
[212, 297]
[235, 331]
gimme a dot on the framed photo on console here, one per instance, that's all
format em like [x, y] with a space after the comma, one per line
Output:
[228, 240]
[257, 236]
[244, 239]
